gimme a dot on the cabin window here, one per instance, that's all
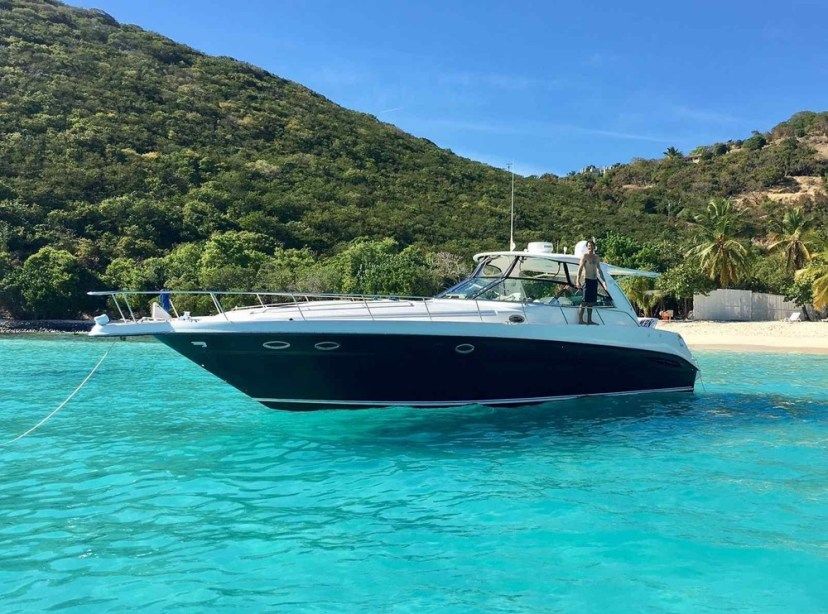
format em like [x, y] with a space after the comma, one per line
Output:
[540, 269]
[469, 288]
[524, 279]
[496, 267]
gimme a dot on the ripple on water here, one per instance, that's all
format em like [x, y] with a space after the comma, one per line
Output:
[159, 486]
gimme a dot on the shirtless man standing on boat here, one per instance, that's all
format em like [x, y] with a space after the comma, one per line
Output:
[589, 273]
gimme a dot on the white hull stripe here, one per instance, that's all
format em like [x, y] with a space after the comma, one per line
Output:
[518, 401]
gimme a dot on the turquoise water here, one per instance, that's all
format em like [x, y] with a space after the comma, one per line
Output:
[159, 486]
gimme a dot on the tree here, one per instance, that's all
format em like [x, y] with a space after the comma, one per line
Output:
[358, 258]
[284, 270]
[642, 292]
[5, 264]
[121, 274]
[768, 274]
[820, 286]
[235, 248]
[181, 267]
[376, 267]
[7, 294]
[787, 152]
[719, 149]
[447, 268]
[673, 153]
[720, 255]
[623, 251]
[682, 282]
[52, 284]
[791, 237]
[619, 250]
[701, 152]
[406, 273]
[815, 278]
[755, 142]
[231, 260]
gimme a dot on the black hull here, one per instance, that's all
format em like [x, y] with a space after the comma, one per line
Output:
[369, 370]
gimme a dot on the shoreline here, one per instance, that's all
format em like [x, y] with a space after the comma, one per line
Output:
[757, 348]
[28, 327]
[773, 337]
[777, 337]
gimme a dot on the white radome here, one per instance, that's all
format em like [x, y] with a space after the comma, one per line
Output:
[540, 247]
[580, 248]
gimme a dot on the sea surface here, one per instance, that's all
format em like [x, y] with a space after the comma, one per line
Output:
[160, 487]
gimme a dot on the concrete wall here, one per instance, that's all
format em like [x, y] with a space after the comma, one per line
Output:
[741, 305]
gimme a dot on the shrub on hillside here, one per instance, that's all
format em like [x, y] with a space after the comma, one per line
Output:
[48, 285]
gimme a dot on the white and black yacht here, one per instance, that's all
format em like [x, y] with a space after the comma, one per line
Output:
[507, 335]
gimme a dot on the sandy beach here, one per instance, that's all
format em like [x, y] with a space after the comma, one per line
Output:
[809, 337]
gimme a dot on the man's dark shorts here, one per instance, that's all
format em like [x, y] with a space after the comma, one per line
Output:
[591, 291]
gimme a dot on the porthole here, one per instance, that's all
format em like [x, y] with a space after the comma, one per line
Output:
[516, 319]
[464, 348]
[327, 346]
[276, 345]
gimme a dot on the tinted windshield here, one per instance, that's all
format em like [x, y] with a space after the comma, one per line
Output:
[469, 288]
[495, 267]
[529, 280]
[488, 272]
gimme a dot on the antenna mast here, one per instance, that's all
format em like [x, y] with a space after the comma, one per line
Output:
[512, 210]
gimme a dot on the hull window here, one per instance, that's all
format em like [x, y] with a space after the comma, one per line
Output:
[327, 346]
[464, 348]
[276, 345]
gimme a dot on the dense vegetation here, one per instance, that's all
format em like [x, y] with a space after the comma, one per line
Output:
[132, 161]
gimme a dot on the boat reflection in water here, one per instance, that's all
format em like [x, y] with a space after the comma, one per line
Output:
[507, 335]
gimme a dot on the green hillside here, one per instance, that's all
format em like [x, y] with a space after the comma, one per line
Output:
[134, 158]
[103, 122]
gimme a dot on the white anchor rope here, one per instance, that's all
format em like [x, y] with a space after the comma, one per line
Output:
[701, 380]
[65, 401]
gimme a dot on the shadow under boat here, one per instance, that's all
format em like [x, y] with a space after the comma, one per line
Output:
[582, 419]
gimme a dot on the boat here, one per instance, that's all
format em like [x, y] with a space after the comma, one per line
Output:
[507, 335]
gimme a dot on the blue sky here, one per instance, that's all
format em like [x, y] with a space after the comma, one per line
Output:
[552, 86]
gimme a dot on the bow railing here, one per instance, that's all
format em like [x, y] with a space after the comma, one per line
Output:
[307, 302]
[265, 300]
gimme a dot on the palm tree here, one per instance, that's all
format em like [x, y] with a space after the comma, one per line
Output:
[791, 237]
[641, 292]
[673, 153]
[721, 256]
[820, 288]
[817, 272]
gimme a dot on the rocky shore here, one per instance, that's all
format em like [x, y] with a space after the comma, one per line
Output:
[44, 326]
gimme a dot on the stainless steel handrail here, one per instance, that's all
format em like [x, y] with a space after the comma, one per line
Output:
[216, 294]
[118, 305]
[307, 298]
[291, 295]
[218, 305]
[129, 307]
